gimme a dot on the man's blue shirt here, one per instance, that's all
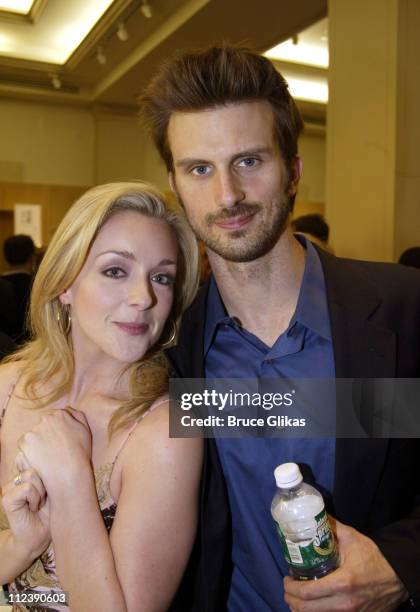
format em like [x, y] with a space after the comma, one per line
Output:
[304, 350]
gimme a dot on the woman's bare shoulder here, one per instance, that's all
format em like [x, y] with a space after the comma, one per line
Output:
[10, 373]
[152, 437]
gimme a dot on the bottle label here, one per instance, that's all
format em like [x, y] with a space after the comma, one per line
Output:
[311, 553]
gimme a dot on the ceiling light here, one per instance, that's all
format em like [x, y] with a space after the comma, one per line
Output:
[122, 32]
[309, 89]
[16, 6]
[100, 56]
[300, 53]
[146, 9]
[56, 81]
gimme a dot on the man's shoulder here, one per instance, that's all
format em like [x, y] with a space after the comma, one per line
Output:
[387, 279]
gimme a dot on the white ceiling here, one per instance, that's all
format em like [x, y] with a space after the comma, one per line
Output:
[33, 53]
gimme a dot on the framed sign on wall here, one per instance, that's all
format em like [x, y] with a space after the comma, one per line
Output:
[27, 220]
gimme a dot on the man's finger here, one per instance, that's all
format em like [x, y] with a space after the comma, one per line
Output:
[314, 589]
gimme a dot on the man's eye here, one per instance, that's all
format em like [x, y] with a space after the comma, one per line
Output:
[114, 272]
[163, 279]
[200, 170]
[248, 162]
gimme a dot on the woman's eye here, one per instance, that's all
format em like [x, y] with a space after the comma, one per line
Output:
[163, 279]
[114, 272]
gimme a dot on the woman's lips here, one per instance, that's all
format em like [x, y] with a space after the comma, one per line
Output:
[132, 329]
[235, 222]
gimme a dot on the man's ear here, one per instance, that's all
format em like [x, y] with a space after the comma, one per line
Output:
[296, 168]
[171, 179]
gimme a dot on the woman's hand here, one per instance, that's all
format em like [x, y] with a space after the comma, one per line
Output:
[25, 503]
[58, 447]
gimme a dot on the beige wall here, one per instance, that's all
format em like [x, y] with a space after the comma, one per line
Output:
[123, 151]
[312, 151]
[311, 194]
[407, 172]
[62, 145]
[52, 144]
[362, 128]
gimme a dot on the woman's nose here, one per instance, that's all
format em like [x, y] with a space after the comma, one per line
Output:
[141, 295]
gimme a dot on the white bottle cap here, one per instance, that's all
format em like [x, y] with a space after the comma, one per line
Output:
[287, 475]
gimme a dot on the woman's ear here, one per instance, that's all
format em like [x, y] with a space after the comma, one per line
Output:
[65, 297]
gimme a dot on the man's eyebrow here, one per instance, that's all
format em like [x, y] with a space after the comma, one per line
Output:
[130, 255]
[191, 161]
[253, 151]
[197, 161]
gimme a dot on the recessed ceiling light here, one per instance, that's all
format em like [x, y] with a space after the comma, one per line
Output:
[300, 53]
[310, 90]
[16, 6]
[44, 43]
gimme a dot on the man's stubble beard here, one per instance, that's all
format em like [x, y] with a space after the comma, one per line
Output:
[243, 246]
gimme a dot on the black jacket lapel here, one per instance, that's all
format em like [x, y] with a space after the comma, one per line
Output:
[362, 349]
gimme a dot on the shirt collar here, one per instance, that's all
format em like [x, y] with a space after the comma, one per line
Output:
[311, 310]
[312, 306]
[215, 314]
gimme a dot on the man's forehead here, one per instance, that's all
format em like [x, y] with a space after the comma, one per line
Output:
[245, 125]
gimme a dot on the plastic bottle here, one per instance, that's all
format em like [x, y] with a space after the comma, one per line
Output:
[303, 526]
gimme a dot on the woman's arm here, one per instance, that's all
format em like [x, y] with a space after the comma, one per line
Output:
[24, 505]
[141, 564]
[155, 525]
[29, 533]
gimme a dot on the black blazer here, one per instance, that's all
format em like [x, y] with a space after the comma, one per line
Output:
[375, 321]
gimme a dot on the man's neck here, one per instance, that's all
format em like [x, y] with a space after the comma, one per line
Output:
[263, 294]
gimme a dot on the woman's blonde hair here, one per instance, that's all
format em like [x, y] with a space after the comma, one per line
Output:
[49, 355]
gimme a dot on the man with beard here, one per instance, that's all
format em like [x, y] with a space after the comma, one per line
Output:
[277, 307]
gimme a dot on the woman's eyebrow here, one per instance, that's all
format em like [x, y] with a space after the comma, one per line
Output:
[126, 254]
[130, 255]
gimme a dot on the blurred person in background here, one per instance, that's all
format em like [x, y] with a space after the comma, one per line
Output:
[19, 253]
[315, 228]
[410, 257]
[8, 308]
[97, 500]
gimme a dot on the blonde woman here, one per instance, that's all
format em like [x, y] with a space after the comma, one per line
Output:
[98, 501]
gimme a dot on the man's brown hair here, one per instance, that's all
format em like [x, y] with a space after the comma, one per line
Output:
[216, 76]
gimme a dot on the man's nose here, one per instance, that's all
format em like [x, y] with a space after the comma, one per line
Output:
[141, 294]
[229, 189]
